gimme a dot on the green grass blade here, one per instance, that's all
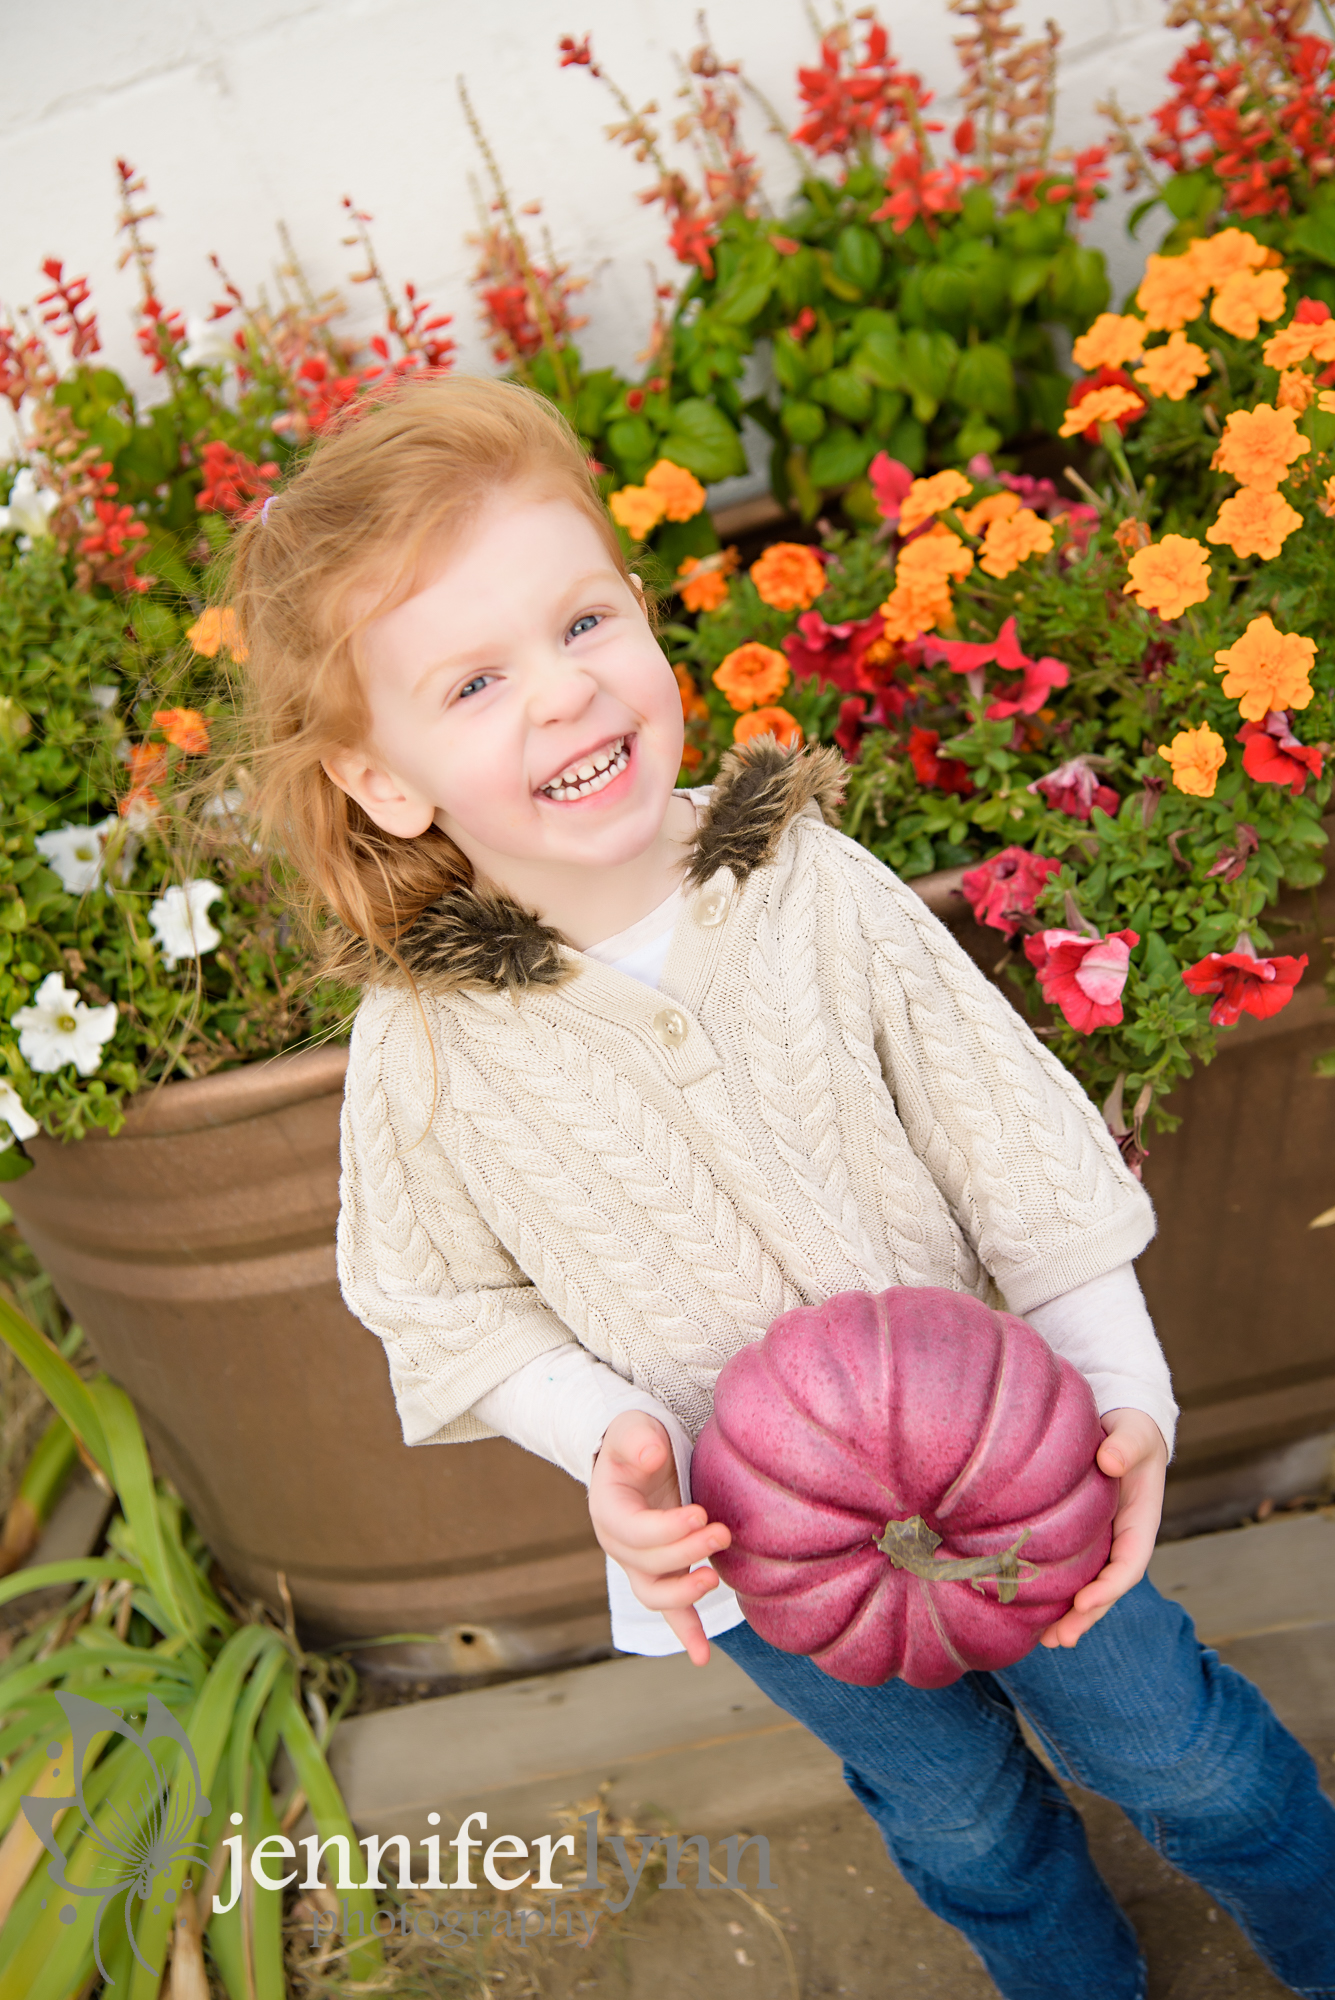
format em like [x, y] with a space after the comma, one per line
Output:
[79, 1569]
[132, 1477]
[57, 1381]
[331, 1817]
[32, 1933]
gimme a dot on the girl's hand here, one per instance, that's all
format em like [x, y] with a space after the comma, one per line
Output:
[635, 1507]
[1134, 1452]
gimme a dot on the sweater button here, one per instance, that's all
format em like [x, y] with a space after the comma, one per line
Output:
[711, 908]
[670, 1028]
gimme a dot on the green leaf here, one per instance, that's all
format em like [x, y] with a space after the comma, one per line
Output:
[14, 1163]
[985, 381]
[1028, 277]
[331, 1817]
[1189, 195]
[802, 421]
[702, 439]
[790, 364]
[132, 1477]
[880, 357]
[631, 441]
[929, 360]
[1314, 234]
[858, 257]
[840, 457]
[743, 298]
[832, 281]
[59, 1383]
[948, 294]
[846, 393]
[80, 1569]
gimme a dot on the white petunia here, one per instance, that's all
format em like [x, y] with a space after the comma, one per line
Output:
[20, 1122]
[75, 853]
[208, 343]
[60, 1028]
[30, 505]
[180, 918]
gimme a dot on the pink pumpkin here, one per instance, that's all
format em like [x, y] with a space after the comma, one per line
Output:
[910, 1482]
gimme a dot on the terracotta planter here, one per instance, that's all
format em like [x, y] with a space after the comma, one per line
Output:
[197, 1249]
[1240, 1287]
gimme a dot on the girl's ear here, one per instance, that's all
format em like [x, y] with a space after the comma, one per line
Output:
[639, 592]
[393, 806]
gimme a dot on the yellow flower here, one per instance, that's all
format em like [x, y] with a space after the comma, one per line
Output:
[1259, 446]
[1215, 258]
[1100, 406]
[752, 675]
[1245, 299]
[1171, 293]
[214, 628]
[1197, 756]
[994, 507]
[912, 609]
[932, 558]
[930, 496]
[694, 707]
[1010, 542]
[1296, 390]
[705, 584]
[1112, 341]
[774, 722]
[680, 491]
[1255, 522]
[1327, 501]
[1301, 340]
[1169, 575]
[1266, 669]
[1173, 369]
[789, 576]
[637, 510]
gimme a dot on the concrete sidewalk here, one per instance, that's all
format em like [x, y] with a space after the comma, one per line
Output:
[705, 1749]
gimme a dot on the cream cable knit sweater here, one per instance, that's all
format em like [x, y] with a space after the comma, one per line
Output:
[824, 1095]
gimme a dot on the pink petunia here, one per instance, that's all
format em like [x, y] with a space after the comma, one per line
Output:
[890, 481]
[1082, 976]
[1023, 697]
[1005, 889]
[1075, 789]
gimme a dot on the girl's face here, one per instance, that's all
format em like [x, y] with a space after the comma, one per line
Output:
[521, 702]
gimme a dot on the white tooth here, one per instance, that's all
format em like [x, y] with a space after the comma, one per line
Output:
[602, 760]
[582, 789]
[587, 771]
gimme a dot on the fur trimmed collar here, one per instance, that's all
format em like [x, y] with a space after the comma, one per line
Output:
[477, 939]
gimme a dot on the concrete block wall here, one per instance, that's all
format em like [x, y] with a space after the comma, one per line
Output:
[245, 113]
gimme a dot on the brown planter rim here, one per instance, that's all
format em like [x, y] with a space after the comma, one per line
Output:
[232, 1095]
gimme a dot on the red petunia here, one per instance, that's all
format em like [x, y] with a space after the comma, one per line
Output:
[1075, 789]
[890, 481]
[1105, 378]
[1273, 755]
[833, 652]
[944, 774]
[1083, 976]
[1244, 983]
[852, 722]
[1005, 889]
[1022, 697]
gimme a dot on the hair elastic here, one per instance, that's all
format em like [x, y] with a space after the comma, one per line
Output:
[264, 510]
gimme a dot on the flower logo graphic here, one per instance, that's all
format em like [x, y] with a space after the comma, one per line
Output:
[138, 1845]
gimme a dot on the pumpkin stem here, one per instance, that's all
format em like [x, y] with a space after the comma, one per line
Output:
[912, 1545]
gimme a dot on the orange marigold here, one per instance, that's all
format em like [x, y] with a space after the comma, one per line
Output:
[680, 491]
[183, 727]
[752, 675]
[1112, 341]
[1267, 668]
[789, 576]
[1255, 521]
[931, 496]
[1010, 542]
[912, 609]
[993, 507]
[1245, 299]
[637, 510]
[1301, 340]
[1100, 406]
[1296, 390]
[774, 722]
[704, 584]
[214, 628]
[694, 707]
[1259, 446]
[1197, 756]
[1215, 258]
[931, 558]
[1169, 575]
[1174, 369]
[1171, 293]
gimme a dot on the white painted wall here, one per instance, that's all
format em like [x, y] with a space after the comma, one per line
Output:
[244, 111]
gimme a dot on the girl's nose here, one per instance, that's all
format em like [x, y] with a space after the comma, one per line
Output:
[560, 691]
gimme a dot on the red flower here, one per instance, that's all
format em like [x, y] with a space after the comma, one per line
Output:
[944, 774]
[64, 299]
[231, 481]
[834, 652]
[160, 333]
[1082, 976]
[803, 325]
[692, 239]
[1006, 888]
[1073, 788]
[1105, 378]
[890, 481]
[1244, 983]
[1023, 697]
[852, 722]
[1273, 755]
[1311, 312]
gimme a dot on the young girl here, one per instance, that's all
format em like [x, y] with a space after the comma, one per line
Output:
[635, 1071]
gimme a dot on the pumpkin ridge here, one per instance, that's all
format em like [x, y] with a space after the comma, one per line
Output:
[958, 1486]
[927, 1597]
[845, 1446]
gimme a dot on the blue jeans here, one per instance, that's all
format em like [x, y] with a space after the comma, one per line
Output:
[1138, 1711]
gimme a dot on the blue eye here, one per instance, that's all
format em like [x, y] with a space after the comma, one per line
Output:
[478, 680]
[585, 624]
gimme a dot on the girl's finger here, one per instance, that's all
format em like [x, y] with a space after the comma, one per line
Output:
[662, 1559]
